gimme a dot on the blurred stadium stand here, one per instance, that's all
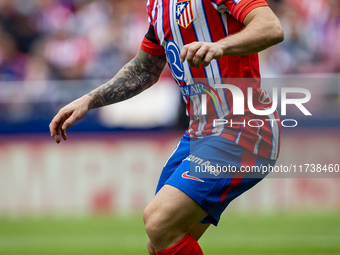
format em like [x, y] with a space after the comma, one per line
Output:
[53, 51]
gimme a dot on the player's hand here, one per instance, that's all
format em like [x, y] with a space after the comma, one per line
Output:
[67, 116]
[201, 52]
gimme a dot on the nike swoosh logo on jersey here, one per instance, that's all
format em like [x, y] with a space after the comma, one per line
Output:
[186, 176]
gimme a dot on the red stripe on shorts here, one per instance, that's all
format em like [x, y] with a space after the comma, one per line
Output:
[248, 159]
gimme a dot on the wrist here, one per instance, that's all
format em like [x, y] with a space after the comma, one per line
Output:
[87, 101]
[223, 46]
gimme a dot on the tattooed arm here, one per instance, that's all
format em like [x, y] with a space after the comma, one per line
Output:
[139, 74]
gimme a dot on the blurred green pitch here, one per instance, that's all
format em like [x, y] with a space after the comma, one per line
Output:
[275, 234]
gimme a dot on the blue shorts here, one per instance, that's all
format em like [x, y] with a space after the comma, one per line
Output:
[212, 190]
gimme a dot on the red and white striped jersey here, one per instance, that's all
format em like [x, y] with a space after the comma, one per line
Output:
[179, 22]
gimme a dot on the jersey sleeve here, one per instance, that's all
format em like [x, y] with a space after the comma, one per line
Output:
[150, 43]
[240, 8]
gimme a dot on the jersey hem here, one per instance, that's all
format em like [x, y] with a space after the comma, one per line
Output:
[152, 48]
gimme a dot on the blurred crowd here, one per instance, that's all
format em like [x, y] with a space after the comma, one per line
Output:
[86, 39]
[312, 36]
[68, 39]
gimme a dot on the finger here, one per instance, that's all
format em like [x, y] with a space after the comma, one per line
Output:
[191, 53]
[207, 59]
[63, 134]
[56, 124]
[54, 128]
[59, 130]
[200, 54]
[183, 53]
[69, 122]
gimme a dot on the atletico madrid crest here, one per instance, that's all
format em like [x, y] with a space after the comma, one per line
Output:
[184, 14]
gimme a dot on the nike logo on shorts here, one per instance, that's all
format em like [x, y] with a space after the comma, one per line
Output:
[186, 176]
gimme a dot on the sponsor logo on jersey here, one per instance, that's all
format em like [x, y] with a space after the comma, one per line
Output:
[198, 89]
[197, 160]
[176, 66]
[236, 1]
[184, 14]
[264, 98]
[187, 176]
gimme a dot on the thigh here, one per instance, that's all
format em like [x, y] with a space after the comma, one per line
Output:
[176, 210]
[181, 152]
[212, 192]
[198, 229]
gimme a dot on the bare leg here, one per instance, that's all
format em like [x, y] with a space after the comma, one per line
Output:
[170, 216]
[196, 231]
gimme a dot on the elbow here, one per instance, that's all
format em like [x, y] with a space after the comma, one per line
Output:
[155, 79]
[277, 34]
[280, 36]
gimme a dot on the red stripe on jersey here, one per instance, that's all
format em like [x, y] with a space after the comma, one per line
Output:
[166, 21]
[188, 36]
[277, 116]
[248, 138]
[267, 135]
[155, 25]
[266, 139]
[214, 22]
[208, 22]
[229, 136]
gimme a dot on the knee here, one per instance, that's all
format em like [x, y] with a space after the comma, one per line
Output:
[151, 249]
[154, 222]
[159, 225]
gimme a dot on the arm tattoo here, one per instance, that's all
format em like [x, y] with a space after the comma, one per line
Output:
[136, 76]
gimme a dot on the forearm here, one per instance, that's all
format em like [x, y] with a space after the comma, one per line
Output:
[128, 82]
[261, 32]
[136, 76]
